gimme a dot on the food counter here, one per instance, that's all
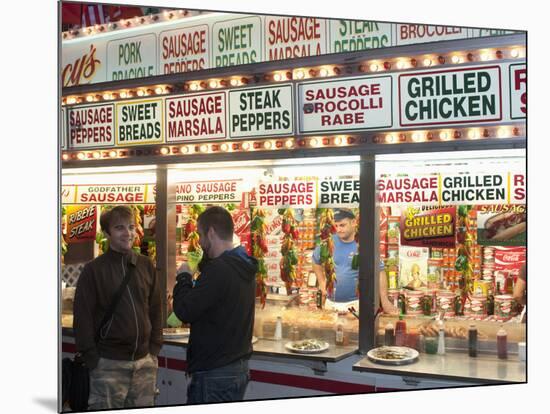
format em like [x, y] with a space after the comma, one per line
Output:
[434, 194]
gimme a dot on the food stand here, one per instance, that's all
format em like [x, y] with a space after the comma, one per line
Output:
[419, 130]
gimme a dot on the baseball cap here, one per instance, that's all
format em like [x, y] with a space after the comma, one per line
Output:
[343, 213]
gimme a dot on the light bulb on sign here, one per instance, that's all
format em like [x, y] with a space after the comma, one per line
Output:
[184, 149]
[80, 155]
[299, 74]
[503, 132]
[373, 67]
[164, 151]
[323, 72]
[484, 56]
[224, 147]
[246, 146]
[112, 154]
[96, 155]
[277, 77]
[444, 136]
[65, 156]
[473, 134]
[213, 84]
[123, 94]
[427, 62]
[234, 82]
[140, 92]
[268, 145]
[159, 90]
[390, 138]
[514, 53]
[203, 148]
[289, 143]
[338, 141]
[418, 137]
[71, 100]
[89, 98]
[194, 86]
[456, 59]
[107, 96]
[314, 142]
[400, 64]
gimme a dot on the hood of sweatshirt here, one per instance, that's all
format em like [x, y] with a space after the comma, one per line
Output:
[243, 264]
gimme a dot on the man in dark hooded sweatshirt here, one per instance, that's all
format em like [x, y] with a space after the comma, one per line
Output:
[220, 308]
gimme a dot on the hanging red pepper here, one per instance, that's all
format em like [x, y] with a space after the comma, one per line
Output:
[289, 258]
[326, 245]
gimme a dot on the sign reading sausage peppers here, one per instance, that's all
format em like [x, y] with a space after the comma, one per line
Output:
[195, 116]
[352, 104]
[184, 50]
[261, 111]
[81, 223]
[91, 126]
[286, 194]
[139, 122]
[456, 96]
[432, 228]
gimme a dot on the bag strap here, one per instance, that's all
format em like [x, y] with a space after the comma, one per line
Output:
[114, 302]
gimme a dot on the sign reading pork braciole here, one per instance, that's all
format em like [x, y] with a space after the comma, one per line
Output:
[456, 96]
[261, 111]
[351, 104]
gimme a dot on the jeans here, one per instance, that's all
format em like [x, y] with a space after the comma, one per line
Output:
[223, 384]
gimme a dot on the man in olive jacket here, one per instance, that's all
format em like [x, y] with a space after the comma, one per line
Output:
[220, 308]
[123, 363]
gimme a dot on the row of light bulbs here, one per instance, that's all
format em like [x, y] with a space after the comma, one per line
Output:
[400, 63]
[167, 15]
[300, 143]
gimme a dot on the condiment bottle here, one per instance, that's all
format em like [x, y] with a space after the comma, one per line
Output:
[400, 331]
[295, 333]
[441, 340]
[341, 338]
[472, 341]
[278, 329]
[388, 334]
[502, 343]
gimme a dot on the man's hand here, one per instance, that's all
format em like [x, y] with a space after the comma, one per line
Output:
[184, 268]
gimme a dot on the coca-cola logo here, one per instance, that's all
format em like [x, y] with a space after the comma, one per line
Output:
[276, 223]
[510, 257]
[241, 222]
[412, 253]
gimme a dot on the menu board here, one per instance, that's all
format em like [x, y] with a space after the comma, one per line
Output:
[91, 126]
[294, 37]
[195, 116]
[237, 41]
[407, 34]
[184, 50]
[139, 122]
[351, 104]
[266, 111]
[211, 191]
[518, 90]
[450, 96]
[132, 57]
[357, 35]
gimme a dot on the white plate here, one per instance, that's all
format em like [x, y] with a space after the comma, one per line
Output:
[408, 355]
[291, 347]
[175, 333]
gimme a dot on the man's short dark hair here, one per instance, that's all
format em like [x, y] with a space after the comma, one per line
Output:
[114, 215]
[343, 213]
[219, 219]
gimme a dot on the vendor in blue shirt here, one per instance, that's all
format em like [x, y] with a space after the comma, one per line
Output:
[345, 247]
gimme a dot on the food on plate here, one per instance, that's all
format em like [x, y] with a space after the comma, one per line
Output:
[505, 226]
[395, 353]
[308, 345]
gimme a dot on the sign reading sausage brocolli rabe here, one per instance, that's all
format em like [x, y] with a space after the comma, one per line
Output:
[457, 96]
[139, 122]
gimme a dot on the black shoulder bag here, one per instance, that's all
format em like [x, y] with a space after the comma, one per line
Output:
[76, 376]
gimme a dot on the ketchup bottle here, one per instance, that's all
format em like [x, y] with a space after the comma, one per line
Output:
[502, 343]
[400, 331]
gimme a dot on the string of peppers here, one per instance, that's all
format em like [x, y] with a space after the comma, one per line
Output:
[289, 259]
[190, 234]
[64, 245]
[464, 262]
[326, 246]
[259, 250]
